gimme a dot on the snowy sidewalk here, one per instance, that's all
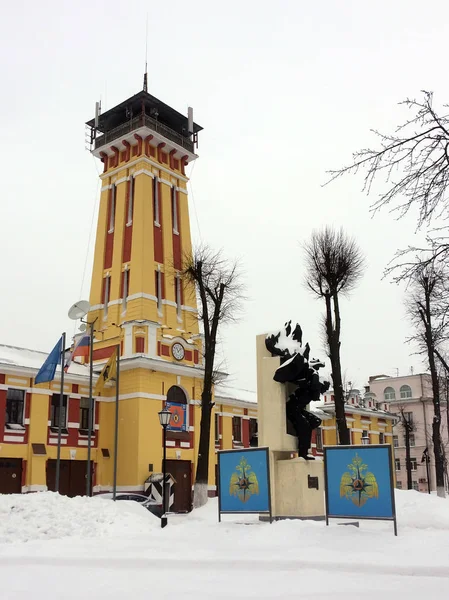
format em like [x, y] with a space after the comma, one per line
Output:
[196, 557]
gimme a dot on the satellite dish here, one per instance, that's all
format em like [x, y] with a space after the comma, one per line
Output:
[82, 327]
[79, 310]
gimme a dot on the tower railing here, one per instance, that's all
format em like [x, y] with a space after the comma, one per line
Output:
[142, 121]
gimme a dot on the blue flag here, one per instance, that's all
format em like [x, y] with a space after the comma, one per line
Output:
[48, 369]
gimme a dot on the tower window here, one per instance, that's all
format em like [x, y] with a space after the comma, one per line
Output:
[125, 287]
[178, 296]
[112, 209]
[130, 200]
[106, 293]
[156, 205]
[174, 210]
[159, 291]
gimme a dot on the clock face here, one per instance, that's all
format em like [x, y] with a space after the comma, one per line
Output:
[178, 351]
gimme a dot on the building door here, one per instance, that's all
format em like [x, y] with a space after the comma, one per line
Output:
[72, 477]
[181, 471]
[10, 476]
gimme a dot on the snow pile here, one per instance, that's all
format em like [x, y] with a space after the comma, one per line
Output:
[421, 511]
[46, 515]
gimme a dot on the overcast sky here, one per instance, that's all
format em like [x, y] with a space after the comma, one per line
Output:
[284, 91]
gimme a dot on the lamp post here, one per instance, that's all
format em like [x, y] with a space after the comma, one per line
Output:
[164, 420]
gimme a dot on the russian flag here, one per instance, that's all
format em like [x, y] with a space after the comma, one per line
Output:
[81, 348]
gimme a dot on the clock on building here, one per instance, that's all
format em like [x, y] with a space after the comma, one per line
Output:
[178, 351]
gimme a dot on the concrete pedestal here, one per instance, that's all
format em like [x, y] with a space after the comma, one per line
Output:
[291, 496]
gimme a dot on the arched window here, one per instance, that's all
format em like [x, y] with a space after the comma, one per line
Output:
[389, 393]
[406, 391]
[177, 395]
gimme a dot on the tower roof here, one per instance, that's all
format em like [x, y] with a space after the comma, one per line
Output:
[148, 104]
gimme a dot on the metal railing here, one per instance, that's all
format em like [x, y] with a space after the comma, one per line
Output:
[141, 121]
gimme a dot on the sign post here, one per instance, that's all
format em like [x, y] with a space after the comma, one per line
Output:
[359, 483]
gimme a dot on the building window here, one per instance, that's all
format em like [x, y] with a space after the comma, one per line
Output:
[399, 485]
[159, 291]
[14, 407]
[415, 486]
[140, 345]
[55, 417]
[217, 428]
[395, 441]
[253, 433]
[125, 288]
[237, 429]
[319, 439]
[411, 439]
[397, 464]
[176, 395]
[178, 295]
[106, 293]
[156, 206]
[365, 435]
[381, 438]
[413, 465]
[130, 200]
[405, 391]
[84, 413]
[174, 210]
[112, 209]
[389, 393]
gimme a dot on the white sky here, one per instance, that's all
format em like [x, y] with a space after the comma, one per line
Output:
[284, 92]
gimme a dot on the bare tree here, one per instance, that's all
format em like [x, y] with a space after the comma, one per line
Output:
[427, 307]
[218, 285]
[409, 427]
[334, 265]
[413, 163]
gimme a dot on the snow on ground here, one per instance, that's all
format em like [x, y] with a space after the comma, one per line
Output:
[109, 551]
[46, 516]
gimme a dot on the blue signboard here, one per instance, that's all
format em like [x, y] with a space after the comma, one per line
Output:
[244, 481]
[359, 482]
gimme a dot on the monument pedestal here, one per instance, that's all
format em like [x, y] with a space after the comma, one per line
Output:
[297, 485]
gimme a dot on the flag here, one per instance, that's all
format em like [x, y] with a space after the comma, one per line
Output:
[48, 369]
[81, 348]
[108, 373]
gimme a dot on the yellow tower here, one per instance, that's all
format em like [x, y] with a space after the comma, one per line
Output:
[138, 298]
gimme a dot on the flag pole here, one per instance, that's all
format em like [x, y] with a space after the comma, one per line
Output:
[91, 410]
[117, 394]
[61, 403]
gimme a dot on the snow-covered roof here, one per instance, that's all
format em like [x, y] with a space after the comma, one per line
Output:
[12, 356]
[227, 392]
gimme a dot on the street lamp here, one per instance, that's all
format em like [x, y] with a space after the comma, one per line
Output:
[164, 420]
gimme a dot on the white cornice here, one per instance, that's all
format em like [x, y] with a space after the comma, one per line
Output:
[146, 160]
[158, 364]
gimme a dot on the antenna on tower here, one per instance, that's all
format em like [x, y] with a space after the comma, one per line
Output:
[97, 113]
[145, 76]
